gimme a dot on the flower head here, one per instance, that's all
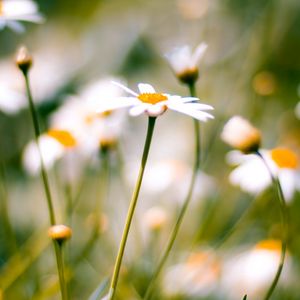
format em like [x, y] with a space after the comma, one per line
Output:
[185, 64]
[240, 134]
[252, 176]
[13, 11]
[154, 104]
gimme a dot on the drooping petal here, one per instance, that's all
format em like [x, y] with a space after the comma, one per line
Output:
[199, 115]
[125, 88]
[119, 102]
[146, 88]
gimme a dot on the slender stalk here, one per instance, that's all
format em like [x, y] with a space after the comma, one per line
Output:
[46, 184]
[183, 209]
[114, 281]
[61, 269]
[284, 220]
[36, 135]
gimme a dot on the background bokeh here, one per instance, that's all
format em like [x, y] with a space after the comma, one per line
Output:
[251, 68]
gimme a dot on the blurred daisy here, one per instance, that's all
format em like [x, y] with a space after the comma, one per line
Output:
[253, 271]
[198, 276]
[240, 134]
[185, 63]
[154, 104]
[252, 176]
[76, 133]
[13, 11]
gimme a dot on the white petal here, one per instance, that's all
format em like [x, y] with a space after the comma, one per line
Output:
[187, 99]
[145, 88]
[138, 110]
[199, 106]
[199, 115]
[15, 26]
[198, 53]
[156, 110]
[125, 88]
[120, 102]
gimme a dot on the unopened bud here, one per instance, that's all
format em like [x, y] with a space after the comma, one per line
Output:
[23, 59]
[60, 233]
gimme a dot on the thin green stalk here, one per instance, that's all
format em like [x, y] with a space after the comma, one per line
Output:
[183, 209]
[61, 269]
[46, 183]
[36, 135]
[114, 281]
[284, 220]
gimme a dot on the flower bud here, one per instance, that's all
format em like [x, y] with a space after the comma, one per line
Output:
[240, 134]
[60, 233]
[23, 59]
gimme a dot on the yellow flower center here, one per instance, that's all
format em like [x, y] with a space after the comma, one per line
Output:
[272, 245]
[64, 137]
[284, 158]
[152, 98]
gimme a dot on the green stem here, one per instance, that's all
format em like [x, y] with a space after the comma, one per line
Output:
[284, 220]
[114, 281]
[37, 134]
[183, 209]
[61, 269]
[44, 175]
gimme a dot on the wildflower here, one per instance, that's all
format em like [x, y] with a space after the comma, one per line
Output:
[252, 176]
[24, 59]
[185, 64]
[154, 104]
[13, 11]
[240, 134]
[60, 232]
[252, 271]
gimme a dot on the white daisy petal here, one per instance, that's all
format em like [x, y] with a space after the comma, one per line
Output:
[138, 110]
[156, 110]
[199, 115]
[146, 88]
[116, 103]
[199, 106]
[198, 54]
[125, 88]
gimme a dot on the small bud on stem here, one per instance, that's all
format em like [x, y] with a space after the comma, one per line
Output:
[23, 59]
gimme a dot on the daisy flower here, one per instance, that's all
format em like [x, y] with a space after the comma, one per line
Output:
[13, 11]
[252, 176]
[252, 271]
[154, 104]
[185, 63]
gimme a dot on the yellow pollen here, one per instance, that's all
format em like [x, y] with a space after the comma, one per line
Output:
[272, 245]
[284, 158]
[64, 137]
[152, 98]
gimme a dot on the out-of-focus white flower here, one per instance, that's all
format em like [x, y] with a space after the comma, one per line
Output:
[51, 150]
[198, 276]
[79, 131]
[155, 218]
[185, 63]
[154, 104]
[171, 177]
[252, 176]
[11, 101]
[13, 11]
[252, 271]
[240, 134]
